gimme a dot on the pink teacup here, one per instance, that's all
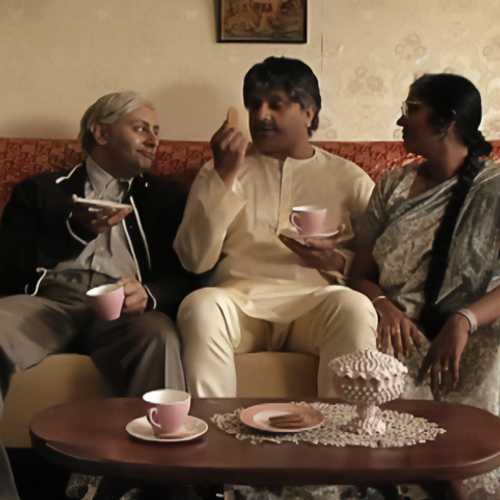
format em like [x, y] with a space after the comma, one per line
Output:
[169, 410]
[308, 219]
[107, 300]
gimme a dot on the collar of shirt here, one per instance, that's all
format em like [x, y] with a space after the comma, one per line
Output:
[103, 184]
[289, 160]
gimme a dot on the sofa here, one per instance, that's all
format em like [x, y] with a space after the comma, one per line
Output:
[68, 376]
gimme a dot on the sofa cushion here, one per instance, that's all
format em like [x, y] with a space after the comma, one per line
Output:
[276, 375]
[57, 379]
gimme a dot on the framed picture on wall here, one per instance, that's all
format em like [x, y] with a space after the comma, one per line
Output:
[262, 21]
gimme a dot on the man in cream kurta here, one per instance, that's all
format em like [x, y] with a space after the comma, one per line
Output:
[261, 294]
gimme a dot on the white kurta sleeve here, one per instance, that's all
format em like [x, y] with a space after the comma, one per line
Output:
[210, 210]
[361, 192]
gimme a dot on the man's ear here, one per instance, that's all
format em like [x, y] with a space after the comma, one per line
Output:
[100, 131]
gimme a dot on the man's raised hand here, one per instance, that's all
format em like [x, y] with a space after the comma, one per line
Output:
[229, 145]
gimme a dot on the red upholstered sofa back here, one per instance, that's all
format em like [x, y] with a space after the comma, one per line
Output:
[20, 158]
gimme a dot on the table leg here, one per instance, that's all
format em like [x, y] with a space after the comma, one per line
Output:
[456, 490]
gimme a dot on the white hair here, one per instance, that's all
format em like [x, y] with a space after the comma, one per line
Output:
[108, 109]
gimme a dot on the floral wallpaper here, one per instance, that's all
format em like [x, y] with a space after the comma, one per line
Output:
[58, 57]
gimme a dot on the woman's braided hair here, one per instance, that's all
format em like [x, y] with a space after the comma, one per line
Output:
[452, 98]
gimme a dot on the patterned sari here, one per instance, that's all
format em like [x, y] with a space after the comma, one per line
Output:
[401, 230]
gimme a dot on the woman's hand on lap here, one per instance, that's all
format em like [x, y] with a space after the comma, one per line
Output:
[445, 353]
[396, 332]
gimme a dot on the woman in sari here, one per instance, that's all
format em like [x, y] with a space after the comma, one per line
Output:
[428, 254]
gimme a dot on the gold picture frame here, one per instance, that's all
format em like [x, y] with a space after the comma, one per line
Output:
[262, 21]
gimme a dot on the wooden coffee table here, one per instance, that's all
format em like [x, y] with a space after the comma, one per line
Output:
[90, 437]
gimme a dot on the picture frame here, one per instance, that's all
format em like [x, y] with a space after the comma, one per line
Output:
[261, 21]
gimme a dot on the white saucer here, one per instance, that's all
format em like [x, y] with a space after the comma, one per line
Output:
[194, 427]
[295, 235]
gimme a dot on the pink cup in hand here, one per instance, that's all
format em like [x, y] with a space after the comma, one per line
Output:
[308, 219]
[169, 410]
[106, 300]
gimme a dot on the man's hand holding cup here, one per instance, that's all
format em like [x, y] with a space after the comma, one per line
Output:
[316, 249]
[126, 296]
[136, 297]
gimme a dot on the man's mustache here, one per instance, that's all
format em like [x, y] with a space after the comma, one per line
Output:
[264, 127]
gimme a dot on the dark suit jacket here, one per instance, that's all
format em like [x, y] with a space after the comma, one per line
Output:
[34, 233]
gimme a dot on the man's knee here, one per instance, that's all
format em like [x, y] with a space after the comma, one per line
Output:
[351, 324]
[204, 316]
[201, 305]
[352, 305]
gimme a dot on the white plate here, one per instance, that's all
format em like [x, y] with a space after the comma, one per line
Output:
[193, 427]
[295, 235]
[258, 416]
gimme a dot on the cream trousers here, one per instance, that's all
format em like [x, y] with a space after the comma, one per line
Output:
[213, 328]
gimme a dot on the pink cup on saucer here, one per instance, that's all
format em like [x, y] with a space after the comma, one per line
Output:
[308, 219]
[168, 412]
[106, 300]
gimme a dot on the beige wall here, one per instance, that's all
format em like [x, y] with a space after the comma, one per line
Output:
[57, 56]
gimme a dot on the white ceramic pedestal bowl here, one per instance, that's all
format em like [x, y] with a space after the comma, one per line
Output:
[367, 379]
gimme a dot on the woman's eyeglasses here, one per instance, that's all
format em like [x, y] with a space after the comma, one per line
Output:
[406, 106]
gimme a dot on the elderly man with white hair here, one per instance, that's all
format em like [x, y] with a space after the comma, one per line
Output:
[53, 250]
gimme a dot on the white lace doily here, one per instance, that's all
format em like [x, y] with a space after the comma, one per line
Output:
[403, 429]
